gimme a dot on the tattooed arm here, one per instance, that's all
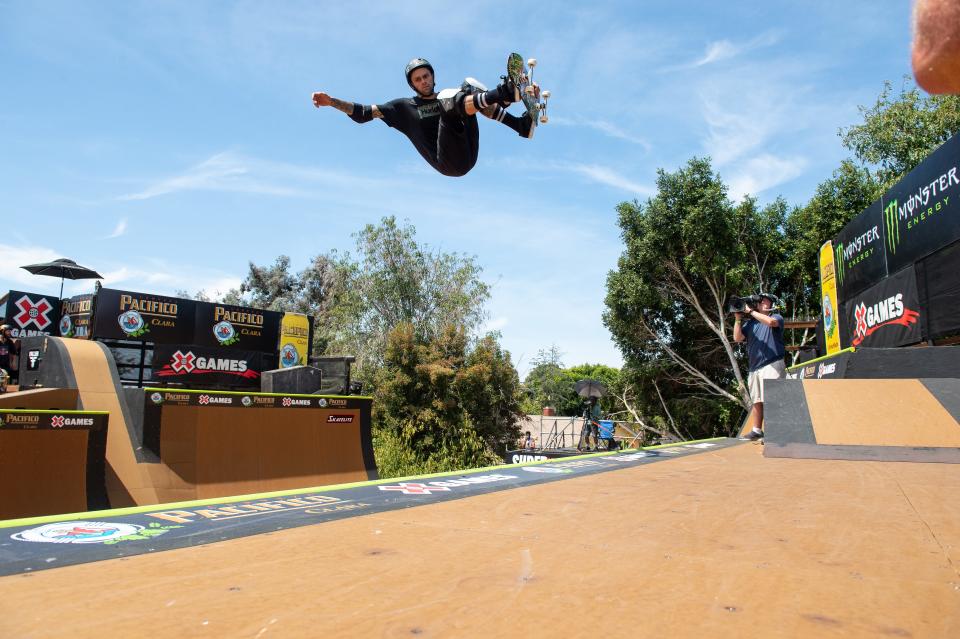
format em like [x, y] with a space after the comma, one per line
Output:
[357, 112]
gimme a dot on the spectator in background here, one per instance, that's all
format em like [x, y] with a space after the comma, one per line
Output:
[9, 349]
[528, 441]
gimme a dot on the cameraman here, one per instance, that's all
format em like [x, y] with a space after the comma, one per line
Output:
[762, 330]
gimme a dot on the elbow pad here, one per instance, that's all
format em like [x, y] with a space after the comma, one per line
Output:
[361, 114]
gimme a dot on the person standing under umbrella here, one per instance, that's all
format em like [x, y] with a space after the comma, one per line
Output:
[591, 428]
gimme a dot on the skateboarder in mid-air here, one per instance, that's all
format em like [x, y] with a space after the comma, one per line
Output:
[442, 126]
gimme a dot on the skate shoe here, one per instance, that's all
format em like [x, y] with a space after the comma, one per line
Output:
[526, 126]
[508, 92]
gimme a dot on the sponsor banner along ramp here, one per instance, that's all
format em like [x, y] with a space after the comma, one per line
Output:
[865, 419]
[43, 543]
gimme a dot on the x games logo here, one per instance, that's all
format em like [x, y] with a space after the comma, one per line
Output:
[30, 313]
[183, 362]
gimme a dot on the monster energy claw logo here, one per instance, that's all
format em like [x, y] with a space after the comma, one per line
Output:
[838, 266]
[892, 226]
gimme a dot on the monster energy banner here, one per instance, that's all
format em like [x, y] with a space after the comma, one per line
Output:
[75, 316]
[940, 291]
[921, 213]
[139, 316]
[859, 257]
[886, 314]
[222, 325]
[30, 314]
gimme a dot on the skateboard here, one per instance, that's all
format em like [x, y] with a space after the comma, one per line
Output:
[530, 93]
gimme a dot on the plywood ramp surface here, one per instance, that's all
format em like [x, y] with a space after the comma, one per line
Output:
[722, 544]
[130, 481]
[879, 412]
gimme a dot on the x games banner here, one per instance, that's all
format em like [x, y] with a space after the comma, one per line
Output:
[885, 315]
[31, 315]
[205, 367]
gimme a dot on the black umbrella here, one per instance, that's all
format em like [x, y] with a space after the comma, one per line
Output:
[63, 268]
[590, 388]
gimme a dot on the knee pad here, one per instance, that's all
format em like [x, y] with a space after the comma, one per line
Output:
[452, 101]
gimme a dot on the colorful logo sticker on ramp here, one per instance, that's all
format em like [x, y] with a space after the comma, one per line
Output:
[78, 532]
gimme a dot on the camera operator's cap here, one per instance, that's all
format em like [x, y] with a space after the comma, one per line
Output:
[5, 327]
[774, 300]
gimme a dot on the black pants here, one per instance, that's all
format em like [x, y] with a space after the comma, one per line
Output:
[458, 144]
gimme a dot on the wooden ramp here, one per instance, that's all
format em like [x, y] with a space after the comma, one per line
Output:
[165, 445]
[726, 543]
[883, 419]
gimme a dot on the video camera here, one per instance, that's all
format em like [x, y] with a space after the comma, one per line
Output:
[737, 304]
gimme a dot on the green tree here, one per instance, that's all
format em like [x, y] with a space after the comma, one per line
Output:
[899, 131]
[545, 384]
[687, 249]
[398, 281]
[318, 291]
[440, 405]
[838, 200]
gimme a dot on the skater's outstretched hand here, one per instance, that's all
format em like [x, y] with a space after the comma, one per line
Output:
[321, 99]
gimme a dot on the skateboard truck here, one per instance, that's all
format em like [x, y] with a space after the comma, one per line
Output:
[533, 90]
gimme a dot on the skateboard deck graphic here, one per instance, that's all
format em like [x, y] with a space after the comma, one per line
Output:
[530, 94]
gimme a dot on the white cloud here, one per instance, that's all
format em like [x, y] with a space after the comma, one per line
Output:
[119, 230]
[725, 50]
[233, 172]
[742, 124]
[495, 324]
[605, 175]
[763, 172]
[16, 256]
[607, 128]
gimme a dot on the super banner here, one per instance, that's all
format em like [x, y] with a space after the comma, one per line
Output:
[887, 314]
[921, 213]
[30, 314]
[139, 316]
[828, 292]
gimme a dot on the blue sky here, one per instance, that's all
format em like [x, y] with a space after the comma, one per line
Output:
[167, 144]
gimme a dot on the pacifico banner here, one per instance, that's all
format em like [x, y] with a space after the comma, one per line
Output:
[76, 316]
[830, 301]
[885, 315]
[31, 315]
[143, 317]
[222, 325]
[294, 340]
[858, 255]
[921, 213]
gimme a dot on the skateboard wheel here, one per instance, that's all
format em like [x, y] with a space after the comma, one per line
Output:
[529, 90]
[544, 119]
[546, 94]
[532, 62]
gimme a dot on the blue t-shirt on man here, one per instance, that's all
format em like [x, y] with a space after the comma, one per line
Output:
[764, 344]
